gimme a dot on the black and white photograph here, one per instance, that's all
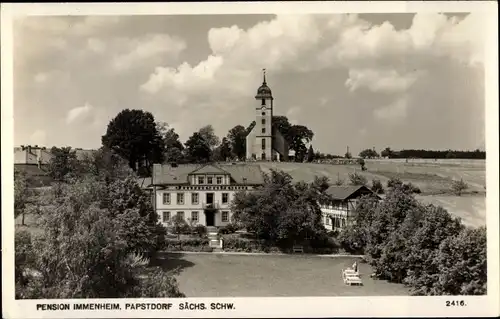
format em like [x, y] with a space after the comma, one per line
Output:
[221, 155]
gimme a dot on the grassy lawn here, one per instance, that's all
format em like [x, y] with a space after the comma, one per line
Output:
[215, 275]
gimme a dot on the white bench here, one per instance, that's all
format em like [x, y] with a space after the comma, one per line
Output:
[351, 277]
[298, 249]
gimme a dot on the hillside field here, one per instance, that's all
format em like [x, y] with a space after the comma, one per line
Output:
[433, 179]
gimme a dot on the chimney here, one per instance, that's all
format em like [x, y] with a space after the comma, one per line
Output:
[29, 148]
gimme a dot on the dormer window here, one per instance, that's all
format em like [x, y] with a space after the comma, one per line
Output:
[201, 180]
[209, 180]
[219, 180]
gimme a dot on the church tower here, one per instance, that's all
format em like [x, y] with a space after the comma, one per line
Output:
[265, 142]
[263, 122]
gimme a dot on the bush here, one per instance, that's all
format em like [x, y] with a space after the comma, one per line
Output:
[228, 229]
[333, 233]
[357, 179]
[200, 230]
[192, 244]
[157, 283]
[458, 187]
[244, 245]
[394, 182]
[323, 244]
[207, 249]
[377, 186]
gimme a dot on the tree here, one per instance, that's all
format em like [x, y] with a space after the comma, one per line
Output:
[22, 194]
[368, 153]
[357, 179]
[282, 212]
[134, 135]
[208, 134]
[106, 165]
[172, 144]
[377, 186]
[310, 154]
[179, 225]
[86, 245]
[295, 135]
[469, 276]
[223, 151]
[63, 163]
[434, 227]
[458, 187]
[237, 137]
[197, 149]
[387, 152]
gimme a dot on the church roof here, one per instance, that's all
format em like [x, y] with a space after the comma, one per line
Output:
[264, 91]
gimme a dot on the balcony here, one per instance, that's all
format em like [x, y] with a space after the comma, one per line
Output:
[213, 205]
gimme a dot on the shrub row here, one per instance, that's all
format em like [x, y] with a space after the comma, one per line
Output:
[194, 244]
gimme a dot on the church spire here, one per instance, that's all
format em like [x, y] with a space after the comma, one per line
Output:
[264, 75]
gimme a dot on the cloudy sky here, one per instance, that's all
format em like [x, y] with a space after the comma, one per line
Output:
[369, 80]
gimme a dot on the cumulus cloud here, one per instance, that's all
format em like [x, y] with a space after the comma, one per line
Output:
[81, 113]
[395, 111]
[96, 45]
[388, 81]
[38, 137]
[141, 49]
[320, 66]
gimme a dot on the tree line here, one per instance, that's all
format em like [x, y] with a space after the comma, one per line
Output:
[427, 154]
[137, 137]
[99, 234]
[421, 246]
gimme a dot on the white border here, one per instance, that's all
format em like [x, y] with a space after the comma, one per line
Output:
[263, 307]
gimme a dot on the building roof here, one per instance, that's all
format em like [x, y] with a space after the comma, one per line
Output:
[348, 192]
[178, 174]
[209, 169]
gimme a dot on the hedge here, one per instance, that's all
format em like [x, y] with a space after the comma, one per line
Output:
[194, 244]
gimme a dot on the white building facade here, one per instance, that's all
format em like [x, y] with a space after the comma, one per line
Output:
[201, 194]
[338, 211]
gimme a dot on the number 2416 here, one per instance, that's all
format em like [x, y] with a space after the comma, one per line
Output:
[455, 303]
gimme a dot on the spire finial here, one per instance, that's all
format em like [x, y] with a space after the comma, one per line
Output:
[264, 73]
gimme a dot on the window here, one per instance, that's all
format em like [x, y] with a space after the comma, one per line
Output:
[263, 101]
[166, 198]
[328, 220]
[201, 180]
[225, 217]
[263, 130]
[166, 217]
[209, 180]
[180, 198]
[225, 198]
[263, 121]
[181, 214]
[194, 216]
[195, 198]
[263, 113]
[219, 179]
[263, 143]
